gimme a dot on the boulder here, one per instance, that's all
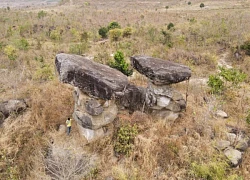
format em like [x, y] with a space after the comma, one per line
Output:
[165, 115]
[222, 144]
[62, 129]
[159, 71]
[221, 114]
[12, 106]
[242, 145]
[234, 156]
[92, 135]
[92, 78]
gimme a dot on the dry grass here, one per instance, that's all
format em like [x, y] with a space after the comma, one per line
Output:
[162, 150]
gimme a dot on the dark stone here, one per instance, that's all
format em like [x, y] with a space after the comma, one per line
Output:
[160, 71]
[93, 107]
[92, 78]
[133, 97]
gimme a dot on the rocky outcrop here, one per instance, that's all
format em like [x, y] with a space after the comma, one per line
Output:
[11, 106]
[108, 88]
[92, 78]
[159, 71]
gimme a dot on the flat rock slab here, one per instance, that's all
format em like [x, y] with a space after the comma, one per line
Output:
[159, 71]
[234, 156]
[92, 78]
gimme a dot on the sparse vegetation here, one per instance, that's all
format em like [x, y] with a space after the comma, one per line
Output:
[120, 64]
[181, 32]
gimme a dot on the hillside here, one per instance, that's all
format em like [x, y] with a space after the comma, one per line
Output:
[213, 41]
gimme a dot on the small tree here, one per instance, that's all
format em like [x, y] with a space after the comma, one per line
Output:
[41, 14]
[189, 3]
[103, 32]
[120, 64]
[202, 5]
[170, 26]
[114, 25]
[115, 34]
[166, 7]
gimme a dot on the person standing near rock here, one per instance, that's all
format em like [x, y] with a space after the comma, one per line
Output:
[68, 123]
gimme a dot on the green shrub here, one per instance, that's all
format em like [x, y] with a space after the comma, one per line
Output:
[120, 64]
[232, 75]
[166, 7]
[246, 47]
[125, 139]
[214, 170]
[44, 73]
[115, 34]
[170, 26]
[202, 5]
[167, 38]
[103, 32]
[23, 44]
[78, 48]
[189, 3]
[41, 14]
[11, 52]
[114, 25]
[55, 35]
[127, 32]
[216, 84]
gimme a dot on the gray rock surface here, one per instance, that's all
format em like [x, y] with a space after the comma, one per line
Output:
[92, 135]
[222, 144]
[12, 106]
[93, 78]
[242, 145]
[234, 156]
[89, 118]
[159, 71]
[96, 122]
[221, 114]
[93, 107]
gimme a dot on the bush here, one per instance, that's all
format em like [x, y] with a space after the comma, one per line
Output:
[45, 73]
[23, 44]
[189, 3]
[232, 75]
[212, 170]
[114, 25]
[170, 26]
[246, 47]
[127, 32]
[167, 38]
[78, 49]
[115, 34]
[202, 5]
[41, 14]
[103, 32]
[120, 64]
[55, 35]
[11, 52]
[166, 7]
[125, 139]
[216, 84]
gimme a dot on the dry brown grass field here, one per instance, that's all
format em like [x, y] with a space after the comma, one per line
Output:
[200, 38]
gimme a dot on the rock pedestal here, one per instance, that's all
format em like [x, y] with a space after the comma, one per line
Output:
[94, 116]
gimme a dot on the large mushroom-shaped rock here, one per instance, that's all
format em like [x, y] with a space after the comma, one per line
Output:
[159, 71]
[92, 78]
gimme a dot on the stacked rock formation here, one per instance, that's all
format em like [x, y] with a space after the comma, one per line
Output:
[99, 87]
[165, 101]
